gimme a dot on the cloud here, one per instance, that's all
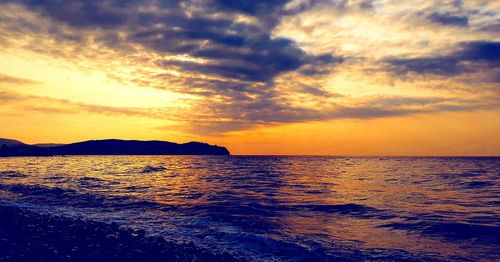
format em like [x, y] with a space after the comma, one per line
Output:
[257, 7]
[448, 19]
[254, 57]
[7, 97]
[82, 13]
[235, 50]
[15, 80]
[315, 91]
[365, 108]
[195, 29]
[243, 72]
[480, 51]
[65, 106]
[493, 27]
[470, 57]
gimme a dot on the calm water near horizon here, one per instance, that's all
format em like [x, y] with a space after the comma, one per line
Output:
[283, 208]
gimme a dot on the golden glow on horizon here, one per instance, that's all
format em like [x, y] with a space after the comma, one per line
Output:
[458, 134]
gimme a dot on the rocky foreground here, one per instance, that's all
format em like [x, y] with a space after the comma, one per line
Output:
[28, 236]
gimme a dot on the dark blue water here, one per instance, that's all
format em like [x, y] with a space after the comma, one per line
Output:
[278, 208]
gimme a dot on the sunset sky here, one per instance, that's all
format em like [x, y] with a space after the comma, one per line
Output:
[327, 77]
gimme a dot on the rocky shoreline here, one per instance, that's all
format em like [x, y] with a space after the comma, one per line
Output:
[28, 236]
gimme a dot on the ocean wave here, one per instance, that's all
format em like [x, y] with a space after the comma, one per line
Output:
[476, 184]
[283, 249]
[58, 178]
[69, 197]
[91, 179]
[132, 203]
[11, 174]
[53, 195]
[152, 169]
[451, 230]
[351, 209]
[466, 174]
[293, 249]
[137, 188]
[91, 182]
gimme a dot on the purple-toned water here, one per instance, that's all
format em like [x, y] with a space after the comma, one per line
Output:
[278, 208]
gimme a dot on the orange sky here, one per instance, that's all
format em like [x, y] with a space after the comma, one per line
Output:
[288, 77]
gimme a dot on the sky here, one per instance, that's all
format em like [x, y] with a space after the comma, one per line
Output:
[306, 77]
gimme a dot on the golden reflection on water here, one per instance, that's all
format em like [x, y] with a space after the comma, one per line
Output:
[290, 196]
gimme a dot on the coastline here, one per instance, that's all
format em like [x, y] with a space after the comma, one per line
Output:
[28, 236]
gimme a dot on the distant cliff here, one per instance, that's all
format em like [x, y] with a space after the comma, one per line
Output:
[110, 147]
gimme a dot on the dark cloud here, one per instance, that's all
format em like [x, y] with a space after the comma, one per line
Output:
[254, 7]
[470, 57]
[491, 27]
[446, 66]
[448, 19]
[236, 50]
[480, 51]
[367, 4]
[261, 60]
[494, 78]
[82, 13]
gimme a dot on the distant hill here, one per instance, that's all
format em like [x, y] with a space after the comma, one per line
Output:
[110, 147]
[10, 142]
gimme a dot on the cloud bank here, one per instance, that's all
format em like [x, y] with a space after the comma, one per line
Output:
[252, 63]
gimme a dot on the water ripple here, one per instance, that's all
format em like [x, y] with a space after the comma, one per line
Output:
[279, 208]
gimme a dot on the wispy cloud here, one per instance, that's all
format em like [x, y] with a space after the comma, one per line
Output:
[7, 79]
[64, 106]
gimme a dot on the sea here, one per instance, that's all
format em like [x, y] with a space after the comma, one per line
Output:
[278, 208]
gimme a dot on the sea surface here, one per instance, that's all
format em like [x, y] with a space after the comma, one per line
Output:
[278, 208]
